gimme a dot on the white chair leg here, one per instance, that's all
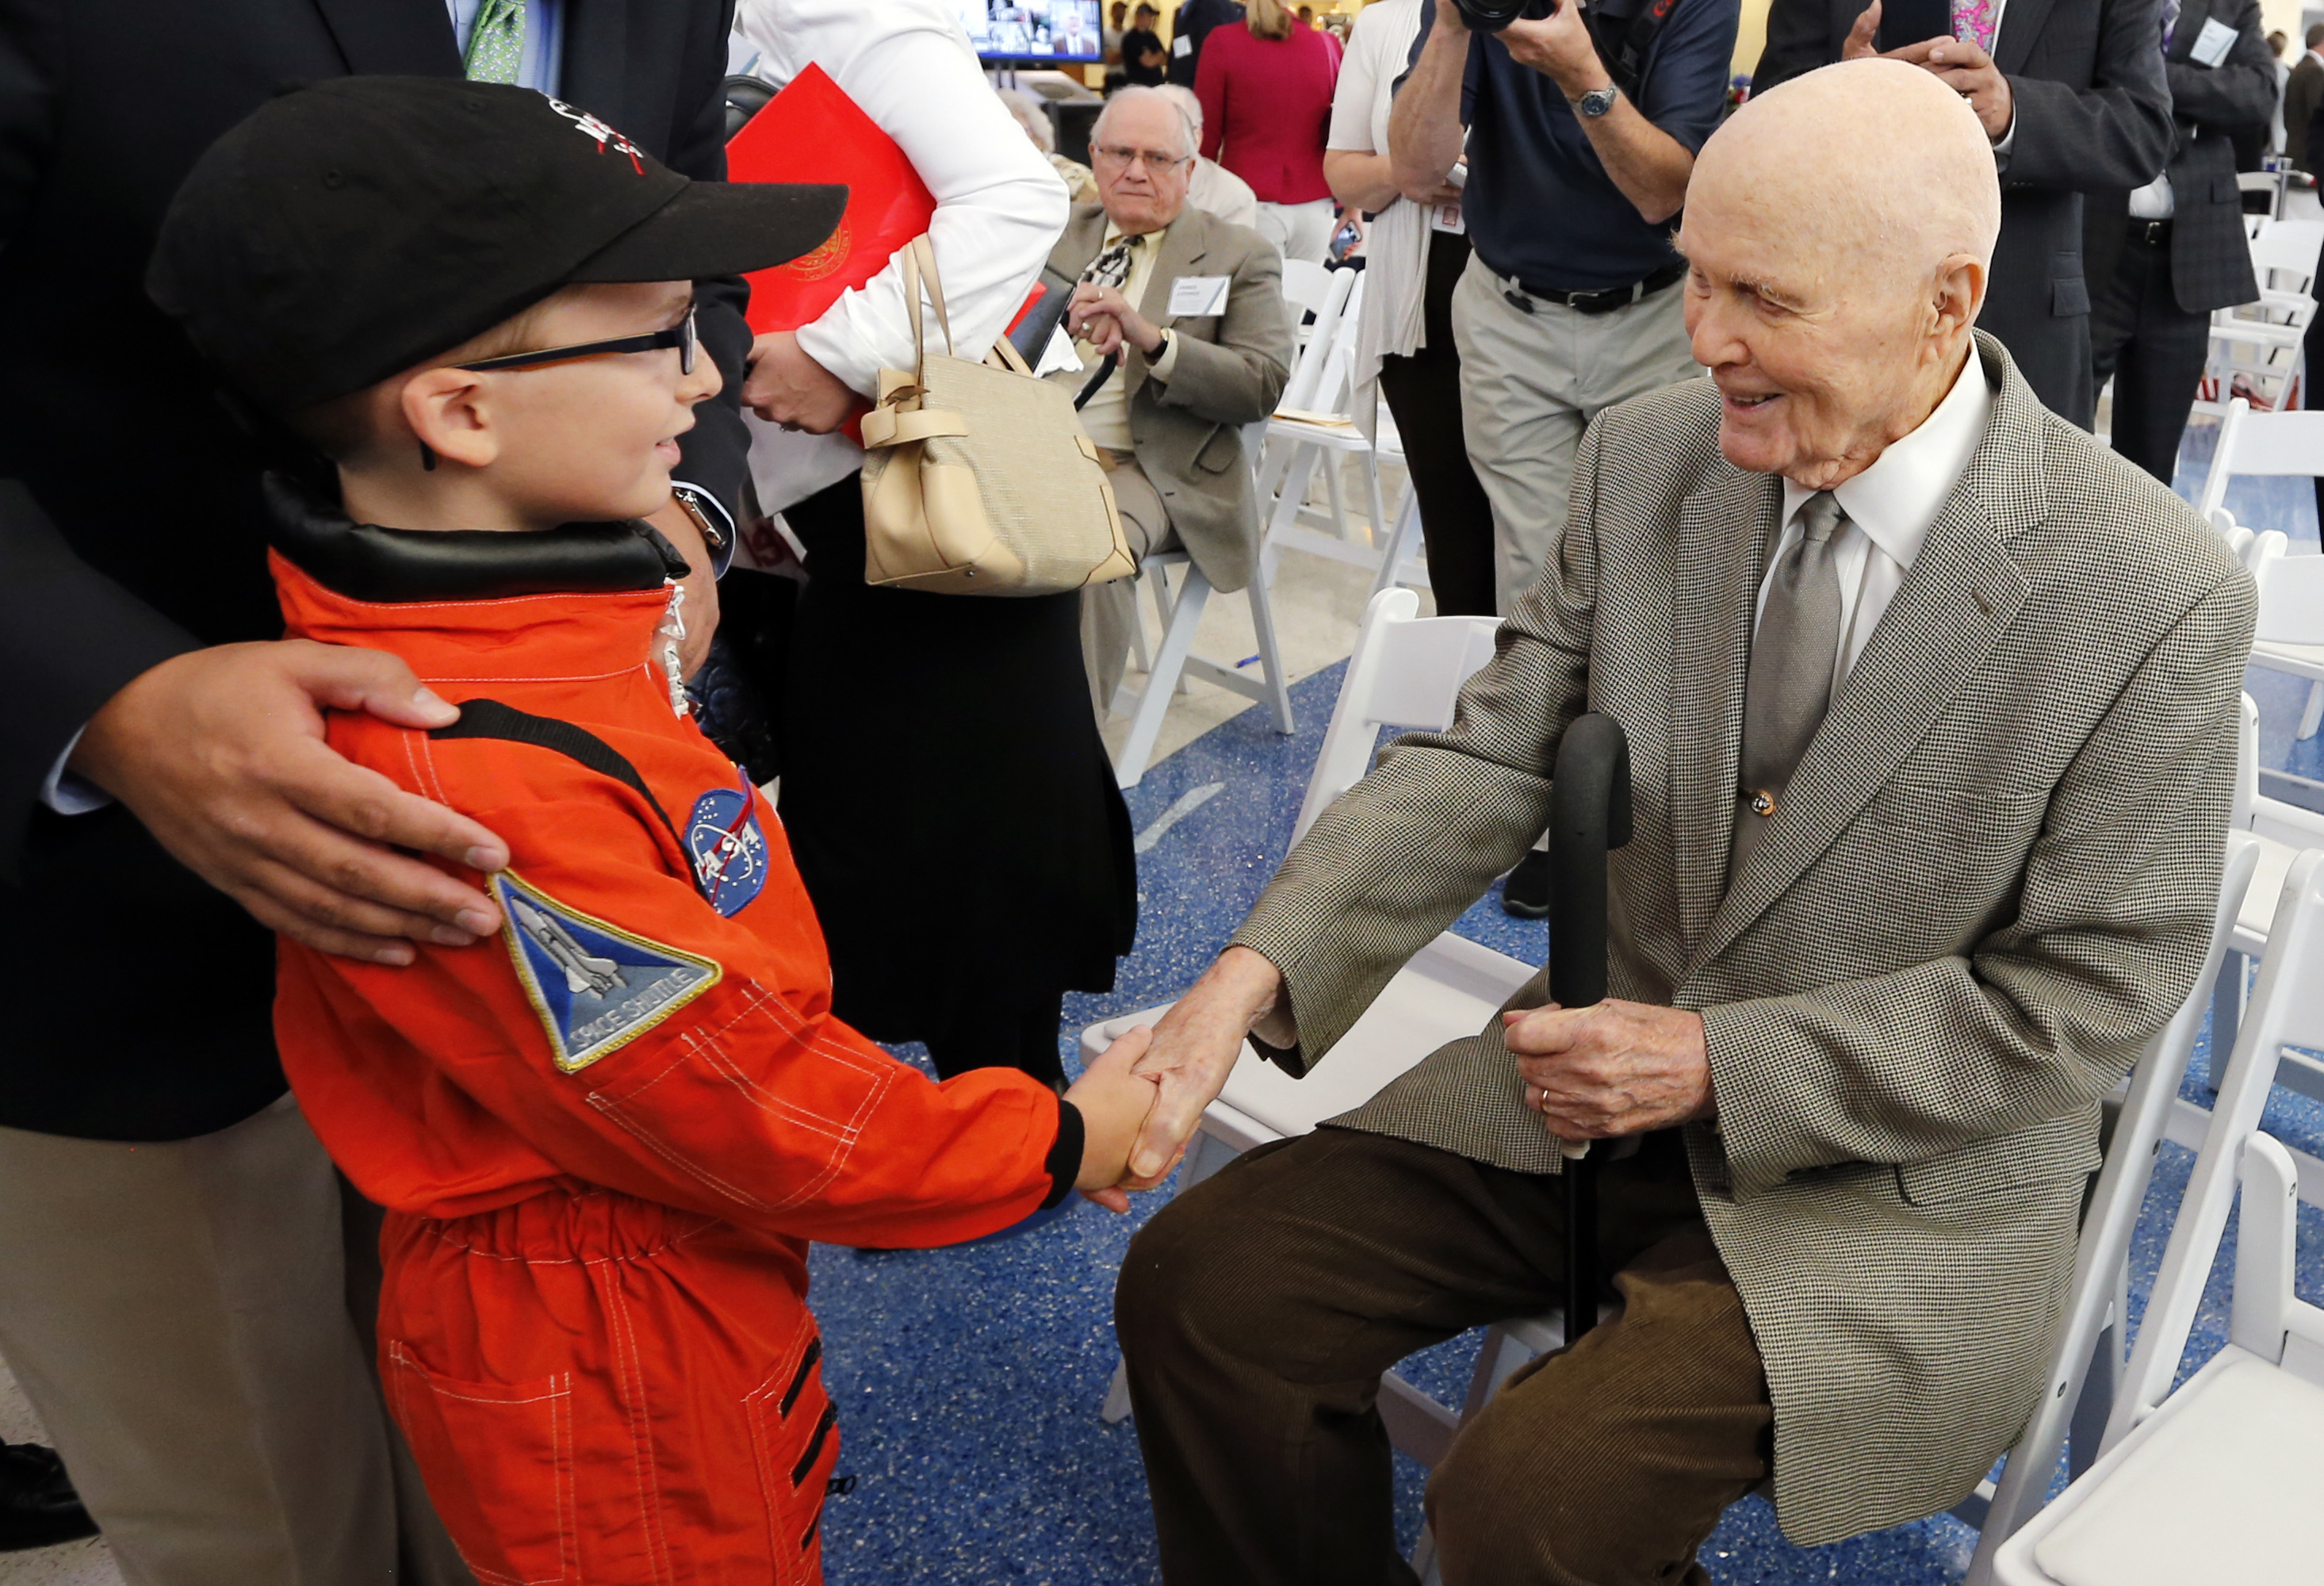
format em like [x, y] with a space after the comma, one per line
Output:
[1271, 655]
[1376, 527]
[2312, 717]
[1336, 495]
[1169, 660]
[1117, 1396]
[1141, 646]
[1407, 523]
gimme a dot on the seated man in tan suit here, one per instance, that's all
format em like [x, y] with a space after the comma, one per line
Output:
[1931, 705]
[1182, 314]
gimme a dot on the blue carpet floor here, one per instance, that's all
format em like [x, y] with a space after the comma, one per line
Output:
[969, 1380]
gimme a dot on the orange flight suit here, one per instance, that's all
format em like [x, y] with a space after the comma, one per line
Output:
[605, 1137]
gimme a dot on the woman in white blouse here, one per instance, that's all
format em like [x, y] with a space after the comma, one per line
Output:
[1415, 253]
[944, 786]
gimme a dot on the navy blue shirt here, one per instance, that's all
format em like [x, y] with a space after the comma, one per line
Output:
[1539, 205]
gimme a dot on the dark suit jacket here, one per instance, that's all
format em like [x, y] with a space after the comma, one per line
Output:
[2093, 116]
[2211, 106]
[2302, 92]
[144, 1005]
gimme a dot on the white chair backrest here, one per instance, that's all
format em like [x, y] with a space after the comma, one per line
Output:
[1306, 286]
[2266, 1316]
[2287, 251]
[1335, 373]
[1307, 362]
[2286, 1008]
[1406, 671]
[2290, 825]
[2291, 598]
[2268, 444]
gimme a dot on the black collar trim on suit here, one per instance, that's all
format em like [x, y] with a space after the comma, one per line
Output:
[394, 565]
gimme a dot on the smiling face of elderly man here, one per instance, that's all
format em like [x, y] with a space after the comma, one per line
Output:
[1833, 280]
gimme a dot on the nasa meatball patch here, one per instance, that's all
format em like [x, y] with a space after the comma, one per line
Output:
[594, 985]
[728, 849]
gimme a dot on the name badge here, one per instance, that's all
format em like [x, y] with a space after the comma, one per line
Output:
[2212, 44]
[1181, 46]
[1196, 296]
[1445, 218]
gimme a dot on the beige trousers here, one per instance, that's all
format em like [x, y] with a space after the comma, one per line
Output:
[1530, 383]
[1110, 611]
[177, 1314]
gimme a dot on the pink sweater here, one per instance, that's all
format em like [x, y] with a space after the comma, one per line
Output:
[1266, 105]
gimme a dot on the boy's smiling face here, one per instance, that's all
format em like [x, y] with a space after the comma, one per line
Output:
[594, 438]
[588, 440]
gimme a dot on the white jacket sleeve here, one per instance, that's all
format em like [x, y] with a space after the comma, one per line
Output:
[999, 205]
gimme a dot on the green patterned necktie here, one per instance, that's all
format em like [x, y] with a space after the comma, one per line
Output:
[496, 41]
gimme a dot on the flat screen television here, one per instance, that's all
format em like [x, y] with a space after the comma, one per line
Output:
[1033, 30]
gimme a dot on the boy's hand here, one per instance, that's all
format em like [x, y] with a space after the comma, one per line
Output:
[1113, 1104]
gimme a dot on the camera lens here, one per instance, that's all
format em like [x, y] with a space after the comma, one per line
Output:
[1490, 17]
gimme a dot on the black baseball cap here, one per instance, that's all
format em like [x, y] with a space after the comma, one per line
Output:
[350, 230]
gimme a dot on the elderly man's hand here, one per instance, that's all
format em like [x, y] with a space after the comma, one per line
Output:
[785, 386]
[221, 753]
[1104, 318]
[1559, 47]
[1193, 1050]
[1615, 1069]
[1969, 72]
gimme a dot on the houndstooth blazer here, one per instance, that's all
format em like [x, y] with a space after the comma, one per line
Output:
[1989, 885]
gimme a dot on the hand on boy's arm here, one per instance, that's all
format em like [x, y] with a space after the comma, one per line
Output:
[1113, 1104]
[221, 753]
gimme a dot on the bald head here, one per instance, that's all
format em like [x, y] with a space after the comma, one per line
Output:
[1838, 229]
[1919, 187]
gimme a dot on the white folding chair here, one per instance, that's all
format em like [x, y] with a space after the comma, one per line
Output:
[2259, 443]
[2263, 182]
[2215, 1481]
[1405, 672]
[2086, 1369]
[2255, 348]
[2289, 635]
[1314, 428]
[2283, 829]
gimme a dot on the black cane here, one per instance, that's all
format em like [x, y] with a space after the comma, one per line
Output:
[1590, 813]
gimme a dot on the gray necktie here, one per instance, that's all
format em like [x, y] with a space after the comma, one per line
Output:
[1793, 657]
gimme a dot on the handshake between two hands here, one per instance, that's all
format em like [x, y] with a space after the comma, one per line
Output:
[1618, 1068]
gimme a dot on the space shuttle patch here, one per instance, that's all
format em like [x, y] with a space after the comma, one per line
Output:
[594, 985]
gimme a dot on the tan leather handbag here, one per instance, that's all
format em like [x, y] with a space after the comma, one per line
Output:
[977, 478]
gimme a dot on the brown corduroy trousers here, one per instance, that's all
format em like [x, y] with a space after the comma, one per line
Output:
[1257, 1309]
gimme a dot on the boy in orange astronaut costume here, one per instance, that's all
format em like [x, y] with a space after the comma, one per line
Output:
[604, 1134]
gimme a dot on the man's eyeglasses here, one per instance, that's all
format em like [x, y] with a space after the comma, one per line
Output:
[679, 336]
[1122, 159]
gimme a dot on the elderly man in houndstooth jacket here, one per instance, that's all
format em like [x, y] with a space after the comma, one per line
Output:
[1931, 705]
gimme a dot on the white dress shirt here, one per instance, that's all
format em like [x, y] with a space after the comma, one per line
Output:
[1889, 507]
[907, 66]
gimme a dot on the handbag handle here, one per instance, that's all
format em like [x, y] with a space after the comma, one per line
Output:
[920, 259]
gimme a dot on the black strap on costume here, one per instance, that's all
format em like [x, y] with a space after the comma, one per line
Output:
[1624, 52]
[488, 718]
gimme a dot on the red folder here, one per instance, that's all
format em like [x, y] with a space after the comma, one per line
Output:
[813, 131]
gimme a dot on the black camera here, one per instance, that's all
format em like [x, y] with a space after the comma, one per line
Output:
[1490, 17]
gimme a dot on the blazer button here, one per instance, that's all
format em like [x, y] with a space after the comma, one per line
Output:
[1763, 802]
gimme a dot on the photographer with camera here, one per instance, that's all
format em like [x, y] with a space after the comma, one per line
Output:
[1581, 123]
[1582, 120]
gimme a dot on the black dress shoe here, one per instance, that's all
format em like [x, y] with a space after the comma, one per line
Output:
[1525, 893]
[38, 1504]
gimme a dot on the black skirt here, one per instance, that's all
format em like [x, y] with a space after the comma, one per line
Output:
[947, 793]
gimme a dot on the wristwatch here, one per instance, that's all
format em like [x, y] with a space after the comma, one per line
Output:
[1596, 102]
